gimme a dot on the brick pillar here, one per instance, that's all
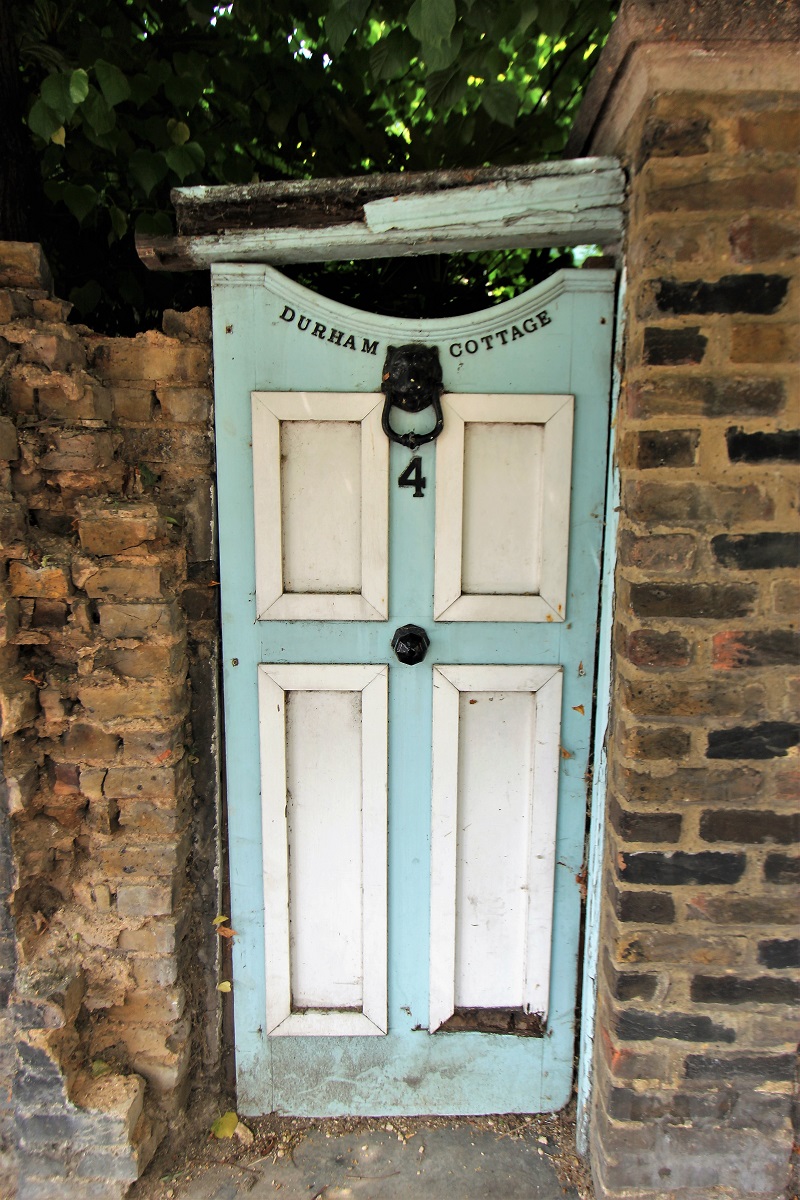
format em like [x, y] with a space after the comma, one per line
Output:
[696, 1035]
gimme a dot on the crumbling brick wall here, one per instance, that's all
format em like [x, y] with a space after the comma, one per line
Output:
[107, 697]
[696, 1031]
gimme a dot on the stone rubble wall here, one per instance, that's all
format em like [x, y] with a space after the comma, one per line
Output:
[698, 981]
[108, 955]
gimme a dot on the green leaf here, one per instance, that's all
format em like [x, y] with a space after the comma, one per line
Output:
[552, 16]
[441, 55]
[198, 154]
[432, 21]
[183, 90]
[147, 169]
[56, 94]
[159, 70]
[392, 55]
[501, 102]
[143, 88]
[119, 222]
[201, 11]
[444, 89]
[80, 199]
[78, 86]
[59, 137]
[343, 20]
[527, 15]
[97, 113]
[225, 1126]
[43, 120]
[99, 1068]
[178, 131]
[113, 84]
[181, 161]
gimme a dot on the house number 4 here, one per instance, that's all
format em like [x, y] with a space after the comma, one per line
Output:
[413, 477]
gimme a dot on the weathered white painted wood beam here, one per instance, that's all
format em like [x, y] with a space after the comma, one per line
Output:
[552, 204]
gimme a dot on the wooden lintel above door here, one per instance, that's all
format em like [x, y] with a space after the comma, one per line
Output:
[567, 203]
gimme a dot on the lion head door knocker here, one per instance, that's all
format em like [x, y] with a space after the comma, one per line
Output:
[412, 381]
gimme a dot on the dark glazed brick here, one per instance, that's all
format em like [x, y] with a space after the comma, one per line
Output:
[757, 551]
[749, 828]
[760, 447]
[666, 448]
[651, 908]
[769, 739]
[630, 986]
[756, 648]
[633, 1026]
[677, 867]
[674, 347]
[700, 600]
[680, 138]
[648, 648]
[777, 1067]
[778, 954]
[727, 989]
[782, 868]
[762, 294]
[644, 827]
[751, 397]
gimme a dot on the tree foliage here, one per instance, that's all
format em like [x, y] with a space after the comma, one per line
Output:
[125, 99]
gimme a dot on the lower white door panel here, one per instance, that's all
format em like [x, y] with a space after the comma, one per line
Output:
[494, 804]
[323, 732]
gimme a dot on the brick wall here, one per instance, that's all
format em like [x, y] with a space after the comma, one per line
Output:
[696, 1032]
[107, 699]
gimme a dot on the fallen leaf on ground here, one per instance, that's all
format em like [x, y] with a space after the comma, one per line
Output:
[225, 1126]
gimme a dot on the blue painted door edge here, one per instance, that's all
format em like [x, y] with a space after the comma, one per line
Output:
[597, 810]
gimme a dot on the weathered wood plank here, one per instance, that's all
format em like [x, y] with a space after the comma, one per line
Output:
[550, 199]
[314, 203]
[547, 204]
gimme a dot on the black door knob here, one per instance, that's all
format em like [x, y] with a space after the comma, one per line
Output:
[410, 644]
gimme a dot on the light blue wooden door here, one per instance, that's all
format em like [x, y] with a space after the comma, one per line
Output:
[406, 841]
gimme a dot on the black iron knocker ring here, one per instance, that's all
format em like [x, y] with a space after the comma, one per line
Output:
[412, 381]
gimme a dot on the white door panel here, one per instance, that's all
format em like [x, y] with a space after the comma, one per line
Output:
[320, 483]
[494, 804]
[504, 467]
[323, 784]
